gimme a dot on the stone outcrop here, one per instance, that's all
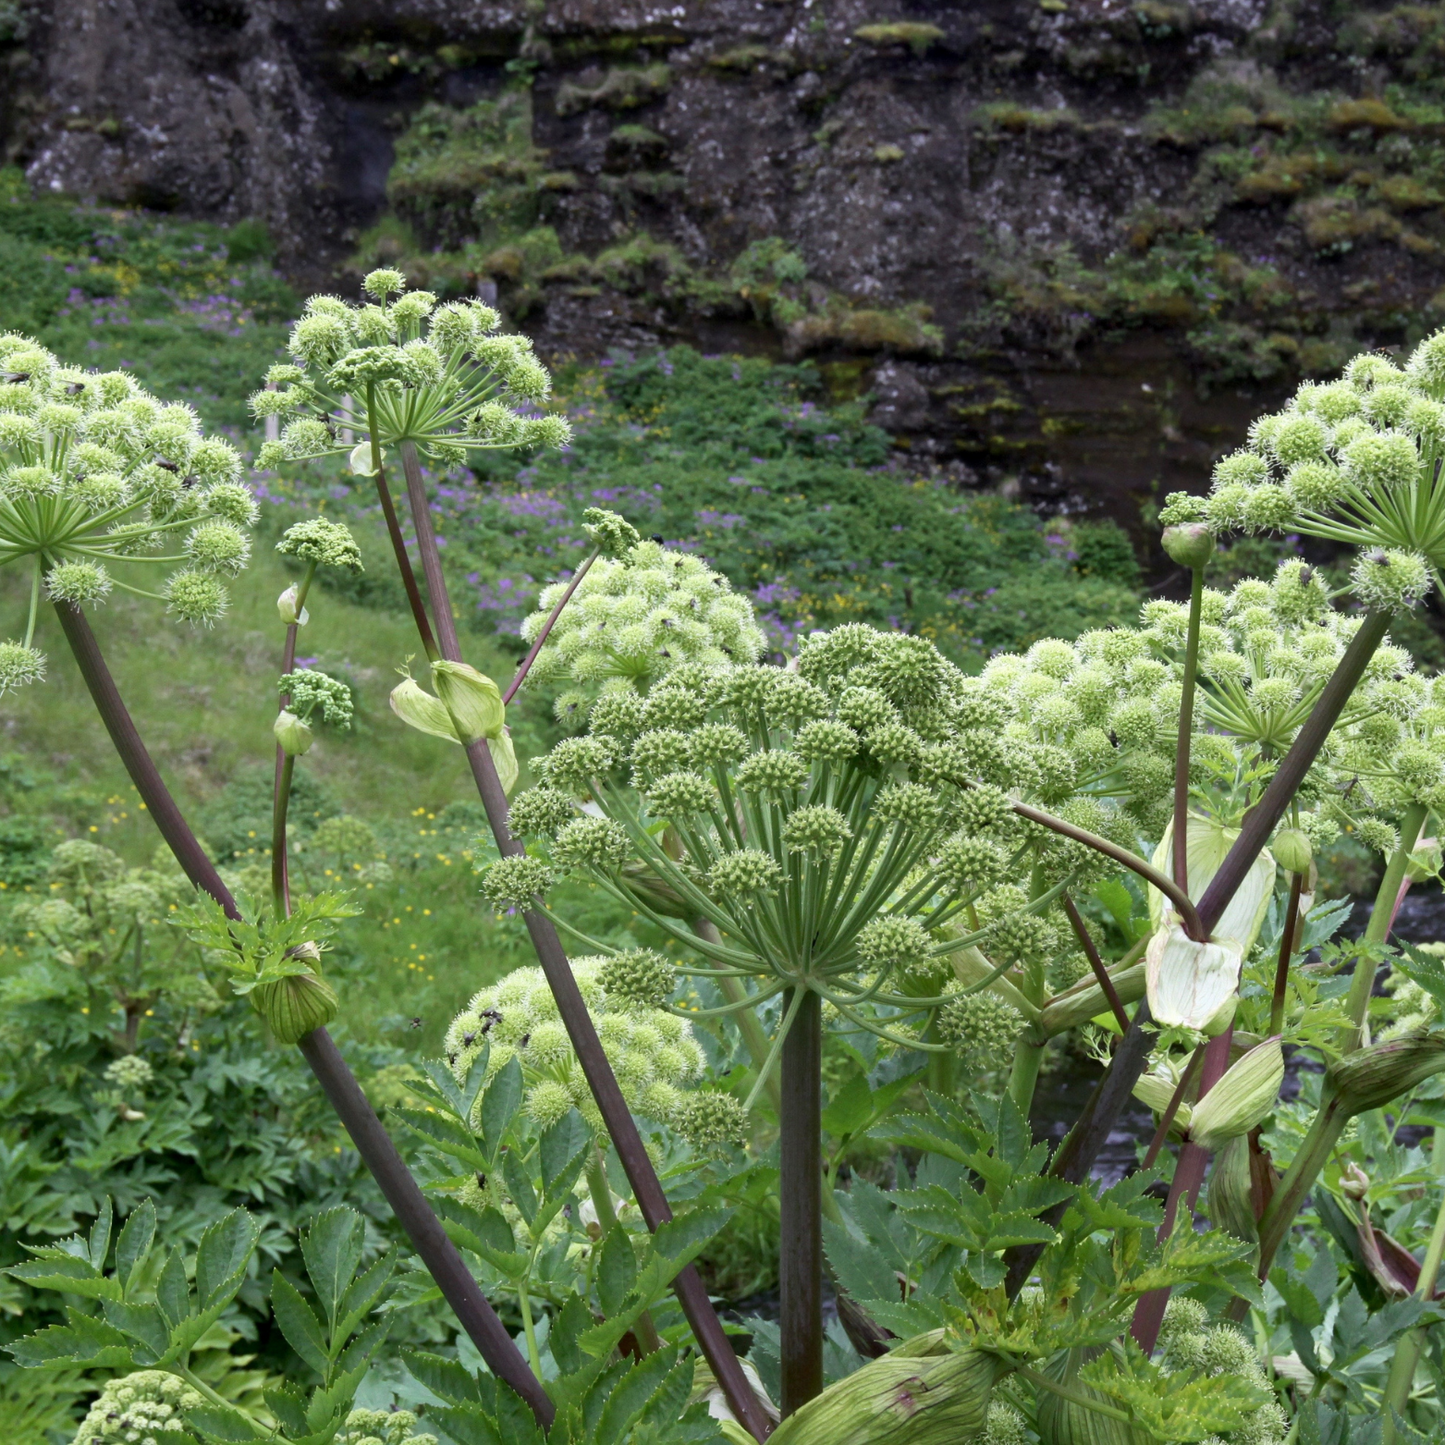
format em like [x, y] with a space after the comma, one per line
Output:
[1068, 245]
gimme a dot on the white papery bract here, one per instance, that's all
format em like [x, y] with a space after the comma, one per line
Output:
[97, 473]
[404, 369]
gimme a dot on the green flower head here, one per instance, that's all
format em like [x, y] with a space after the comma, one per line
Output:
[96, 473]
[319, 540]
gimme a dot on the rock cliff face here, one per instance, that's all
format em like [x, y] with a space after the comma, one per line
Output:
[1071, 245]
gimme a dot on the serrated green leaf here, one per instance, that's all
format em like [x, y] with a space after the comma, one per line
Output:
[519, 1186]
[332, 1250]
[222, 1424]
[173, 1294]
[570, 1321]
[289, 1408]
[616, 1269]
[561, 1150]
[146, 1325]
[225, 1251]
[467, 1424]
[629, 1396]
[134, 1244]
[99, 1243]
[850, 1108]
[297, 1321]
[862, 1272]
[445, 1134]
[499, 1106]
[83, 1341]
[365, 1293]
[450, 1380]
[69, 1275]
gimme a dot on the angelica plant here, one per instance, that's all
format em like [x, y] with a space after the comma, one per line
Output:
[438, 382]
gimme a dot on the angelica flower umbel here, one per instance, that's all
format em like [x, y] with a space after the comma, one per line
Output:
[654, 1054]
[402, 368]
[853, 806]
[97, 478]
[637, 616]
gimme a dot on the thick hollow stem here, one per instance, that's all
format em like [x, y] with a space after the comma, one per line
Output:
[800, 1260]
[1286, 952]
[1312, 1156]
[1186, 730]
[547, 627]
[617, 1119]
[1261, 820]
[437, 1252]
[280, 882]
[423, 1228]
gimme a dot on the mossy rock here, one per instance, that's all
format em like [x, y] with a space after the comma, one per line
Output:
[624, 88]
[917, 35]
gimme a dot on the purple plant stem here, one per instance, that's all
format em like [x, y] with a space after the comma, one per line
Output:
[646, 1187]
[547, 627]
[1185, 1186]
[437, 1252]
[1261, 820]
[1286, 952]
[1186, 729]
[1101, 974]
[1156, 1144]
[800, 1251]
[1132, 861]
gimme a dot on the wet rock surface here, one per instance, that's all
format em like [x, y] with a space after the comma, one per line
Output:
[1073, 247]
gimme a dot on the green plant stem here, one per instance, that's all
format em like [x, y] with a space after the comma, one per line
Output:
[1262, 819]
[280, 802]
[800, 1254]
[1028, 1055]
[749, 1025]
[645, 1329]
[524, 1304]
[1286, 952]
[34, 603]
[1313, 1154]
[1075, 1397]
[185, 1373]
[1408, 1350]
[616, 1117]
[415, 1215]
[1377, 931]
[1186, 731]
[280, 860]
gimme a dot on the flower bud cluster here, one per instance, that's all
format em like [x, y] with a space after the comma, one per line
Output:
[771, 801]
[437, 375]
[134, 1407]
[1192, 1346]
[95, 470]
[637, 616]
[653, 1051]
